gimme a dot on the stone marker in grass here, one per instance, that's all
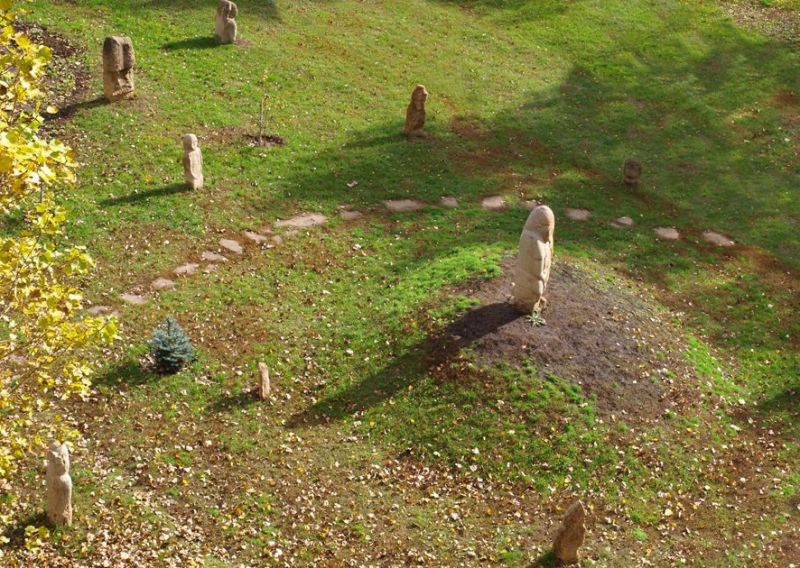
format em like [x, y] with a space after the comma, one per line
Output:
[569, 537]
[59, 486]
[118, 63]
[192, 162]
[263, 381]
[631, 172]
[415, 114]
[225, 28]
[532, 270]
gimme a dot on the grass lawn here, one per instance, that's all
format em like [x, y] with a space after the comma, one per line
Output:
[376, 448]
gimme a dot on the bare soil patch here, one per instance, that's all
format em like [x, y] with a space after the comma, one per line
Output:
[606, 339]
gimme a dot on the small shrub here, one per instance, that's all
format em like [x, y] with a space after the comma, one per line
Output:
[170, 347]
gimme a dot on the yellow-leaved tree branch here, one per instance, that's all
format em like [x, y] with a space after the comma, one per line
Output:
[49, 347]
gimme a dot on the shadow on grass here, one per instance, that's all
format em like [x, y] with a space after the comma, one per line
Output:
[546, 560]
[145, 195]
[70, 110]
[785, 404]
[15, 533]
[129, 373]
[241, 399]
[201, 42]
[434, 352]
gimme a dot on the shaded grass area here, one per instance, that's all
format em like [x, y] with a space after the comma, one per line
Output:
[539, 100]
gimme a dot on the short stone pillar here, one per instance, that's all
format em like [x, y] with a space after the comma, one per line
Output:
[631, 172]
[263, 382]
[59, 486]
[415, 113]
[118, 63]
[192, 162]
[532, 270]
[225, 28]
[570, 535]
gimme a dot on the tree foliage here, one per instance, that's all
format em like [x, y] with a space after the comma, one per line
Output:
[49, 348]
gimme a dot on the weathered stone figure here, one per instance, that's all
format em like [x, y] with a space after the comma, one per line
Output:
[631, 172]
[118, 63]
[415, 115]
[59, 486]
[532, 270]
[263, 381]
[225, 25]
[192, 162]
[569, 537]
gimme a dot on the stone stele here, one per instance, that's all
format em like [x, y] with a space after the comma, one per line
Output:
[59, 486]
[118, 63]
[192, 162]
[569, 537]
[631, 172]
[225, 24]
[415, 115]
[263, 381]
[532, 270]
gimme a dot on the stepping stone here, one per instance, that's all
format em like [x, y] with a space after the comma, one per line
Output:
[276, 240]
[667, 233]
[493, 203]
[255, 237]
[209, 256]
[717, 239]
[449, 202]
[303, 221]
[578, 214]
[350, 215]
[186, 269]
[100, 310]
[530, 204]
[209, 268]
[403, 205]
[162, 284]
[622, 222]
[134, 299]
[231, 245]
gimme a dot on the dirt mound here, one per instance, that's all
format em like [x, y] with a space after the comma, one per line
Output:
[608, 340]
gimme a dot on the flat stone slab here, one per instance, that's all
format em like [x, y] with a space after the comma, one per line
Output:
[186, 269]
[162, 284]
[97, 311]
[530, 204]
[231, 245]
[403, 205]
[350, 215]
[449, 202]
[275, 240]
[134, 299]
[578, 214]
[493, 203]
[209, 256]
[303, 221]
[667, 233]
[622, 222]
[254, 237]
[717, 239]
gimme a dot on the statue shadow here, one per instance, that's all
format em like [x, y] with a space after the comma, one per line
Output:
[129, 373]
[546, 560]
[71, 109]
[15, 532]
[227, 403]
[433, 352]
[144, 195]
[200, 42]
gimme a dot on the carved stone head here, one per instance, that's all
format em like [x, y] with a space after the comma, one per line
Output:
[543, 221]
[190, 143]
[227, 9]
[118, 55]
[58, 459]
[419, 96]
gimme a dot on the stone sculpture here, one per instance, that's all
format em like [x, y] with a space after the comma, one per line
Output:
[118, 63]
[415, 115]
[263, 381]
[569, 537]
[192, 162]
[532, 271]
[631, 172]
[59, 486]
[225, 23]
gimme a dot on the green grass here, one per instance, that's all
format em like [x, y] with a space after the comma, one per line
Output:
[531, 99]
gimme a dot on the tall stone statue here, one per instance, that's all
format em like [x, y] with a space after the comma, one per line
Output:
[118, 64]
[415, 115]
[631, 172]
[192, 162]
[59, 486]
[532, 271]
[570, 535]
[225, 25]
